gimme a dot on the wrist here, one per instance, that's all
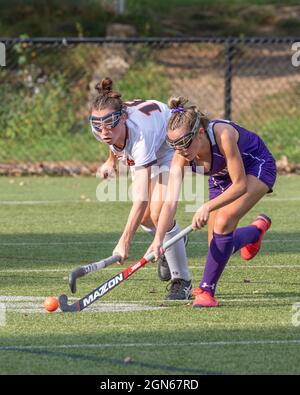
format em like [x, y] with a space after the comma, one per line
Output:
[125, 240]
[158, 240]
[110, 162]
[209, 206]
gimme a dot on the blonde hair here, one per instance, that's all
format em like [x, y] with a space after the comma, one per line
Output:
[186, 115]
[106, 96]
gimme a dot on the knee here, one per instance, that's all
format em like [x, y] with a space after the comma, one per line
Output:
[155, 217]
[150, 219]
[147, 222]
[224, 223]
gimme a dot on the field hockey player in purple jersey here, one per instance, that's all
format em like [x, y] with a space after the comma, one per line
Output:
[241, 171]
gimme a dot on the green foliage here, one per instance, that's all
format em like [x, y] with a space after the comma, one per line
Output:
[209, 17]
[150, 17]
[54, 18]
[40, 122]
[38, 113]
[47, 119]
[279, 134]
[278, 128]
[145, 81]
[290, 26]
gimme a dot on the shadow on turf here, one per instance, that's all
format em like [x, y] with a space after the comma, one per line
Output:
[79, 249]
[229, 352]
[116, 362]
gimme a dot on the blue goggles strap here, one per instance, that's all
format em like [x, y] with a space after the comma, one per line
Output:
[182, 142]
[112, 114]
[97, 121]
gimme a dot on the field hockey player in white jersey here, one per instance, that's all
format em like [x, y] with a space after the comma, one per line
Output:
[135, 132]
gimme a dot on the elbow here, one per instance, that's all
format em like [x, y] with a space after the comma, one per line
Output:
[242, 187]
[239, 188]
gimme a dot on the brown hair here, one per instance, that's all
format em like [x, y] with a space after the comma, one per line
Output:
[106, 96]
[187, 115]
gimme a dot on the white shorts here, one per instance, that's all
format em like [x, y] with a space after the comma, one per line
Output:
[164, 158]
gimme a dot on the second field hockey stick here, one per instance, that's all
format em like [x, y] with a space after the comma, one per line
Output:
[110, 284]
[91, 268]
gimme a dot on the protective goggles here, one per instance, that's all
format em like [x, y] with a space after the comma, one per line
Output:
[109, 121]
[186, 140]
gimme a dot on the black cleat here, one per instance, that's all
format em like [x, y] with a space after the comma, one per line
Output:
[163, 269]
[179, 290]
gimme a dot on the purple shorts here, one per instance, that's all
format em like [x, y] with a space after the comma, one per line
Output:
[264, 170]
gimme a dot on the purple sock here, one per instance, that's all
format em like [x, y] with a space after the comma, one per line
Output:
[219, 252]
[243, 236]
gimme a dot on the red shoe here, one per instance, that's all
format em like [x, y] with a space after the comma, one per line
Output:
[196, 291]
[203, 299]
[263, 223]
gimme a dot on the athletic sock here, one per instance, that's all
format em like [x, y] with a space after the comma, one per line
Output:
[219, 252]
[176, 256]
[244, 236]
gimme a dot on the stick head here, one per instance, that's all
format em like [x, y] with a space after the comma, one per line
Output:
[63, 301]
[72, 282]
[65, 307]
[79, 272]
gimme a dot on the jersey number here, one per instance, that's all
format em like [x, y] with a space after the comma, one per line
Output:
[147, 109]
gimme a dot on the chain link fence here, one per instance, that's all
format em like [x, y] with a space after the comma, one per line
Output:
[47, 85]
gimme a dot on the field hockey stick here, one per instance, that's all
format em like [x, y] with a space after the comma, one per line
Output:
[91, 268]
[110, 284]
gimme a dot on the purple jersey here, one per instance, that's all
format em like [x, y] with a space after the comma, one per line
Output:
[257, 159]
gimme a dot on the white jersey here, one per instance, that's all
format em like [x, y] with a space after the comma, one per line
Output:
[147, 127]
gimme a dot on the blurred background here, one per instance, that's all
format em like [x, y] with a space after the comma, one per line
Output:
[231, 58]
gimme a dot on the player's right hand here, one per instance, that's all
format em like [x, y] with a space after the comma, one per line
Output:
[156, 248]
[121, 249]
[107, 170]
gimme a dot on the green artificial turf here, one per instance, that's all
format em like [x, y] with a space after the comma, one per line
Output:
[52, 225]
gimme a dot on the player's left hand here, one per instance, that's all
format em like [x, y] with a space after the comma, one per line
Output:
[121, 249]
[201, 217]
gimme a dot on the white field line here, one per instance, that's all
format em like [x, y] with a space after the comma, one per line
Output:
[38, 308]
[32, 308]
[66, 271]
[6, 298]
[34, 304]
[29, 301]
[156, 344]
[115, 242]
[239, 267]
[19, 202]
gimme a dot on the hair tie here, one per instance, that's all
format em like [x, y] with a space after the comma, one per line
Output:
[179, 109]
